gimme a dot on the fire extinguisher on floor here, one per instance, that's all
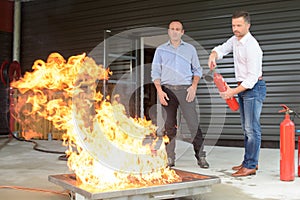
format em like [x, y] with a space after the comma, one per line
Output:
[298, 133]
[287, 146]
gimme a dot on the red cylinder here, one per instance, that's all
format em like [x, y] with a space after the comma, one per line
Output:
[299, 156]
[221, 85]
[287, 149]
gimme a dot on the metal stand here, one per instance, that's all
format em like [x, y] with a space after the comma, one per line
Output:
[192, 185]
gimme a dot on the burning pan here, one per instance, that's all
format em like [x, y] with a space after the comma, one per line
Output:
[192, 185]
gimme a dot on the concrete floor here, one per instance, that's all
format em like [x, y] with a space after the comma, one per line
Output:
[23, 166]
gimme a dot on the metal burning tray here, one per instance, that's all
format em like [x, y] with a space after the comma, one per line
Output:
[192, 185]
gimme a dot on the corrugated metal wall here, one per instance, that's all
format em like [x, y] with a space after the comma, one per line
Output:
[75, 26]
[6, 30]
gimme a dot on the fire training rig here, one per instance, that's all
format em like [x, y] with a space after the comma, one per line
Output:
[192, 185]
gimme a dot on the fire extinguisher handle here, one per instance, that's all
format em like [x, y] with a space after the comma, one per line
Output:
[285, 108]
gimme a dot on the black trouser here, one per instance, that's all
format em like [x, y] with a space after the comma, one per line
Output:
[177, 97]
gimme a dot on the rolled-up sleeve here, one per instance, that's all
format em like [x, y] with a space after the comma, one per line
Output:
[196, 68]
[224, 49]
[156, 65]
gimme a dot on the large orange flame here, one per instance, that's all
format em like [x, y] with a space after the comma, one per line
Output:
[107, 150]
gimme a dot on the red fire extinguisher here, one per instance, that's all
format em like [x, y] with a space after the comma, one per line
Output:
[221, 85]
[298, 131]
[287, 146]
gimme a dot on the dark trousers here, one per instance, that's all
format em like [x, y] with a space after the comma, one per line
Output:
[177, 97]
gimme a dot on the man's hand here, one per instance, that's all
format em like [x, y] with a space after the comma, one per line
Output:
[228, 93]
[212, 60]
[191, 93]
[163, 98]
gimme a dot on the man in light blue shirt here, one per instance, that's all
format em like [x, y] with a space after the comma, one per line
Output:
[176, 65]
[176, 72]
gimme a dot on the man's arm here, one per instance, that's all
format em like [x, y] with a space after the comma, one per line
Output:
[212, 60]
[163, 97]
[192, 90]
[219, 51]
[195, 82]
[230, 92]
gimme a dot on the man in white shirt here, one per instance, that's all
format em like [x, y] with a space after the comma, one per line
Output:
[251, 88]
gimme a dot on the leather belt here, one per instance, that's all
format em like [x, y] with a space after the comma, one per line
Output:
[259, 78]
[177, 87]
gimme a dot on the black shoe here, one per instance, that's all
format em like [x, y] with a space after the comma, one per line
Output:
[171, 162]
[203, 163]
[171, 165]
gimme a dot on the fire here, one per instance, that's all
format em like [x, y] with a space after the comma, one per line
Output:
[107, 150]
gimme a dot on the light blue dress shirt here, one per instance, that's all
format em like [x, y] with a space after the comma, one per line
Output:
[175, 66]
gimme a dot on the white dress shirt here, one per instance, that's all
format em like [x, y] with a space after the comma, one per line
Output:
[247, 56]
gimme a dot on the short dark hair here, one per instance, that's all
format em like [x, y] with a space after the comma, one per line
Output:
[176, 20]
[241, 13]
